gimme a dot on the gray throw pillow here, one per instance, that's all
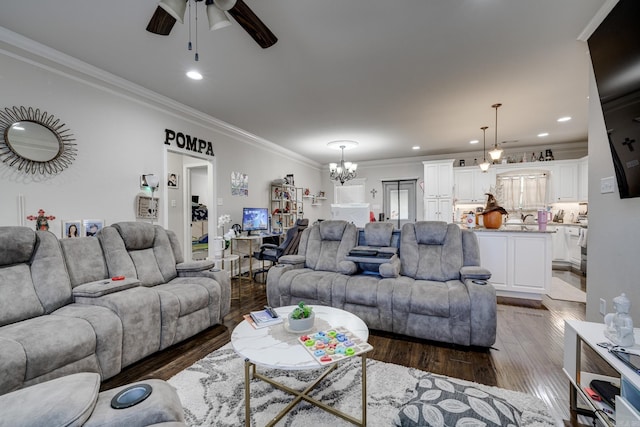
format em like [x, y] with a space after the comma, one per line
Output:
[439, 401]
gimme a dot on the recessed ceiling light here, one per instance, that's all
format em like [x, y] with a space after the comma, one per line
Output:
[415, 147]
[543, 134]
[193, 74]
[473, 141]
[564, 119]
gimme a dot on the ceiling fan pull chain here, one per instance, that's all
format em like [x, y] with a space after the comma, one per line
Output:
[189, 44]
[197, 56]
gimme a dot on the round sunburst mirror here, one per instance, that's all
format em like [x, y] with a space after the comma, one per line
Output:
[34, 141]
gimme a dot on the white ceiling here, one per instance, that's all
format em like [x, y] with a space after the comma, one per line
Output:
[388, 74]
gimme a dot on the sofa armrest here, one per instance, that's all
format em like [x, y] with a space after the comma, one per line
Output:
[391, 268]
[347, 267]
[296, 260]
[104, 287]
[474, 272]
[199, 265]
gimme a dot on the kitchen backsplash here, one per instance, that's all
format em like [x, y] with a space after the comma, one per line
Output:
[572, 211]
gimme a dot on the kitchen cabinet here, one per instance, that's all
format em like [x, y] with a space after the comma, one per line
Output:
[471, 184]
[573, 235]
[565, 181]
[559, 243]
[438, 178]
[436, 209]
[519, 262]
[583, 179]
[438, 190]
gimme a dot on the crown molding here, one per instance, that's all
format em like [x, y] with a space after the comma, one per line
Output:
[597, 20]
[34, 53]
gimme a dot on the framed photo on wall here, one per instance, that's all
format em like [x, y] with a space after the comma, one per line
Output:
[91, 226]
[71, 228]
[173, 180]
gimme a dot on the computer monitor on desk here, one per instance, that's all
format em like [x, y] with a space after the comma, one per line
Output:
[255, 220]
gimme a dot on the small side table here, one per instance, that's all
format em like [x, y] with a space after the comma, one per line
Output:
[234, 261]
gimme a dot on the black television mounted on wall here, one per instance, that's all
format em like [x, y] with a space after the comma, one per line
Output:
[615, 54]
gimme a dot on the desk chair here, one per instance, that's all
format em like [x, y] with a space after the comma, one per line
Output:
[271, 252]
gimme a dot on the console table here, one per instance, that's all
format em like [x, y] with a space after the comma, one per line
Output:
[579, 333]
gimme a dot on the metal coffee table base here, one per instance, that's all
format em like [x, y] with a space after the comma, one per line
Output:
[250, 371]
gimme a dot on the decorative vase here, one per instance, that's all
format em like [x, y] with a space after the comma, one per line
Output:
[302, 325]
[492, 219]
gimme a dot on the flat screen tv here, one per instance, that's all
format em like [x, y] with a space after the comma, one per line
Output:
[615, 54]
[255, 219]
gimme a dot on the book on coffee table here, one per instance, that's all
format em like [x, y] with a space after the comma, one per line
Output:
[263, 318]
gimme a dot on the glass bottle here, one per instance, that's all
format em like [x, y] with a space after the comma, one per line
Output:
[541, 158]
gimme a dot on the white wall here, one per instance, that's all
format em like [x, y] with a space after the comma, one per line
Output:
[613, 260]
[120, 135]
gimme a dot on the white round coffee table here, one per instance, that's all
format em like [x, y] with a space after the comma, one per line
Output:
[276, 347]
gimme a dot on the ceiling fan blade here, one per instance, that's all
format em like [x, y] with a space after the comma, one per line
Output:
[161, 22]
[252, 24]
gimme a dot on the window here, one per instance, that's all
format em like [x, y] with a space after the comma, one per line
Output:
[522, 191]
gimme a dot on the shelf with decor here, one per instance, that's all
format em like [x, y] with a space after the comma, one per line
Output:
[287, 205]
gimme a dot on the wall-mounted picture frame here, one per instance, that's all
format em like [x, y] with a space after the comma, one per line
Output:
[173, 180]
[146, 207]
[71, 228]
[90, 227]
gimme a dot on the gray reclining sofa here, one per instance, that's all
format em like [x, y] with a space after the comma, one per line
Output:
[433, 288]
[61, 313]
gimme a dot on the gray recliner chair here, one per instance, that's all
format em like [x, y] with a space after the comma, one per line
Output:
[74, 400]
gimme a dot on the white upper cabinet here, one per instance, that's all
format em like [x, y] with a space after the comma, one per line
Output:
[565, 181]
[583, 179]
[471, 184]
[438, 178]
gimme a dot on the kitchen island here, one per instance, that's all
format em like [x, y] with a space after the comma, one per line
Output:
[519, 258]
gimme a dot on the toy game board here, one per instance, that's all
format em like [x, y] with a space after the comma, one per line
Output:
[333, 345]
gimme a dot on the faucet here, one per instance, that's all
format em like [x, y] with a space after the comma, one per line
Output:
[524, 217]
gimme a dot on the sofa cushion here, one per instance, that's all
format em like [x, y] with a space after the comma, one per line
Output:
[16, 245]
[84, 260]
[146, 267]
[66, 401]
[431, 250]
[51, 342]
[19, 299]
[329, 243]
[136, 235]
[378, 233]
[191, 297]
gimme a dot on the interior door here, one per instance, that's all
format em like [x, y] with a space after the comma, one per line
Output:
[399, 201]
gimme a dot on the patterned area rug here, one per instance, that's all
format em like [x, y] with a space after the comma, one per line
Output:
[212, 394]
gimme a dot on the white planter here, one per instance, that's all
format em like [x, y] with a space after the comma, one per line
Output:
[302, 325]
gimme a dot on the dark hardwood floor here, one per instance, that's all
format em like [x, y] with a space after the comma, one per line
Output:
[527, 355]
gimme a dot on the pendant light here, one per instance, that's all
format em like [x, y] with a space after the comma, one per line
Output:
[496, 153]
[484, 165]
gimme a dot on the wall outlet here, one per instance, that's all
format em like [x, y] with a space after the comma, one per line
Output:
[603, 306]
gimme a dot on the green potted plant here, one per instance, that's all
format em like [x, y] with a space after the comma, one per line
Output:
[302, 318]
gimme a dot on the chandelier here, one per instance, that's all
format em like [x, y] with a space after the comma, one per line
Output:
[344, 171]
[496, 152]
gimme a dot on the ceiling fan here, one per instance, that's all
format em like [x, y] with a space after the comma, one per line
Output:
[170, 11]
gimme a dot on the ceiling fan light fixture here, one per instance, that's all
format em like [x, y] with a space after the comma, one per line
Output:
[225, 4]
[217, 18]
[175, 8]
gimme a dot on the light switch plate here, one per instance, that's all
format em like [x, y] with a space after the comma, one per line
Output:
[607, 185]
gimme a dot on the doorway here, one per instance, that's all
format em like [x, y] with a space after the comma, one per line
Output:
[191, 207]
[399, 201]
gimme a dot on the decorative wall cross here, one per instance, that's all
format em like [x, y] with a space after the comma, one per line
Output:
[373, 193]
[628, 143]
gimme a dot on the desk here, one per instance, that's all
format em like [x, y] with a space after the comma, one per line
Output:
[244, 246]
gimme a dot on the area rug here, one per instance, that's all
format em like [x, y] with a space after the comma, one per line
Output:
[212, 394]
[561, 290]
